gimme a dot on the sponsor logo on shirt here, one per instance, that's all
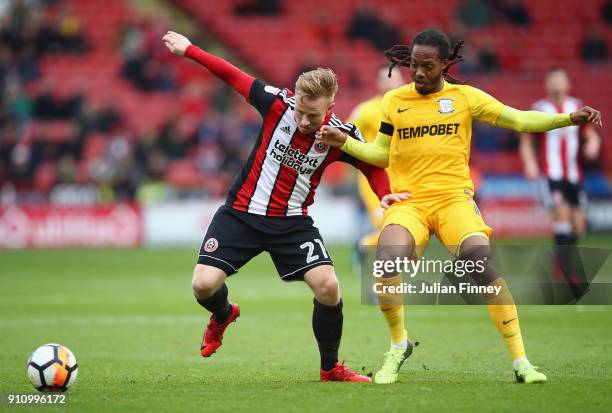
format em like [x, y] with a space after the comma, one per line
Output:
[294, 158]
[428, 130]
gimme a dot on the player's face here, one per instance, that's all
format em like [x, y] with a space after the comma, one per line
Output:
[426, 69]
[557, 84]
[386, 83]
[311, 112]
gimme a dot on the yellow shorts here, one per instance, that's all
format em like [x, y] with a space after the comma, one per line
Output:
[451, 220]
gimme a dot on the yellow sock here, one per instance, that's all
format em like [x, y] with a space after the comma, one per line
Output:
[392, 308]
[503, 312]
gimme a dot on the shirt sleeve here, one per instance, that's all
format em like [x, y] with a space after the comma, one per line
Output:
[532, 120]
[224, 70]
[376, 152]
[377, 177]
[386, 126]
[483, 106]
[262, 96]
[349, 128]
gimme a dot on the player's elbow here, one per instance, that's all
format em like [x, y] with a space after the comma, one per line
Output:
[383, 162]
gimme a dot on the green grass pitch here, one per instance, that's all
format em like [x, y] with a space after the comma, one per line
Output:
[130, 319]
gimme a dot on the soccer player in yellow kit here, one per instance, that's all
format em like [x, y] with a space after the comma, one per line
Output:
[366, 116]
[424, 140]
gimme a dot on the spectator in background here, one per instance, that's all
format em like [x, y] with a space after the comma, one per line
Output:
[488, 62]
[365, 25]
[99, 119]
[469, 66]
[319, 27]
[150, 161]
[58, 31]
[345, 71]
[27, 65]
[309, 60]
[513, 11]
[49, 105]
[362, 24]
[108, 117]
[20, 105]
[142, 62]
[45, 104]
[70, 33]
[258, 7]
[594, 47]
[178, 137]
[606, 12]
[475, 13]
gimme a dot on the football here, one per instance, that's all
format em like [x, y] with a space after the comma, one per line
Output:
[52, 367]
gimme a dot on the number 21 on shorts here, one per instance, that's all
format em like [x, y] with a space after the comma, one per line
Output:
[311, 249]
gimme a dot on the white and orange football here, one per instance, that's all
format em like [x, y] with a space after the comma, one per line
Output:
[52, 367]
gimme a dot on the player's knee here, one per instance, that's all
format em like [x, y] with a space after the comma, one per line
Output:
[392, 252]
[328, 291]
[481, 260]
[205, 282]
[394, 242]
[386, 253]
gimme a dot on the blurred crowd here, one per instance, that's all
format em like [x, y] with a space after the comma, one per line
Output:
[59, 144]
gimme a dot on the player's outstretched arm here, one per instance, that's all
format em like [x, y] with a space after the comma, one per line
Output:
[236, 78]
[528, 156]
[534, 121]
[374, 153]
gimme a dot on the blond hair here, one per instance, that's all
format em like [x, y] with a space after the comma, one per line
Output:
[318, 82]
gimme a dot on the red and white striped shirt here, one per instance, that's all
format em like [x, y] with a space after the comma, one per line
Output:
[560, 148]
[285, 166]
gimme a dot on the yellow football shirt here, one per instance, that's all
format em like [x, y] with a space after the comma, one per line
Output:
[431, 136]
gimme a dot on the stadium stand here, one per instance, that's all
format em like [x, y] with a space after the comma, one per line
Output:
[136, 115]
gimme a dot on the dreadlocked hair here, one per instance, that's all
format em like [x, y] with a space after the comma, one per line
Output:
[399, 55]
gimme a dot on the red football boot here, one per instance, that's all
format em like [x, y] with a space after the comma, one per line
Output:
[342, 373]
[213, 335]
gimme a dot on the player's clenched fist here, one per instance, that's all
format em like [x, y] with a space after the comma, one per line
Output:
[330, 136]
[176, 43]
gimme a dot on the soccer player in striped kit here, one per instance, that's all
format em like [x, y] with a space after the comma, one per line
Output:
[560, 159]
[267, 206]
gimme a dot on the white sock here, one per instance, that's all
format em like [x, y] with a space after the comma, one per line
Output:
[516, 362]
[401, 344]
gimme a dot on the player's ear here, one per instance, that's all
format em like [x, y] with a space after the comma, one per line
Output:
[331, 105]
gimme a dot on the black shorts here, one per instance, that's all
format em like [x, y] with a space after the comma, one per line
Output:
[234, 237]
[569, 192]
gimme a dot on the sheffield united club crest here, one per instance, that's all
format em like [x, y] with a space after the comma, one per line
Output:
[211, 245]
[320, 147]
